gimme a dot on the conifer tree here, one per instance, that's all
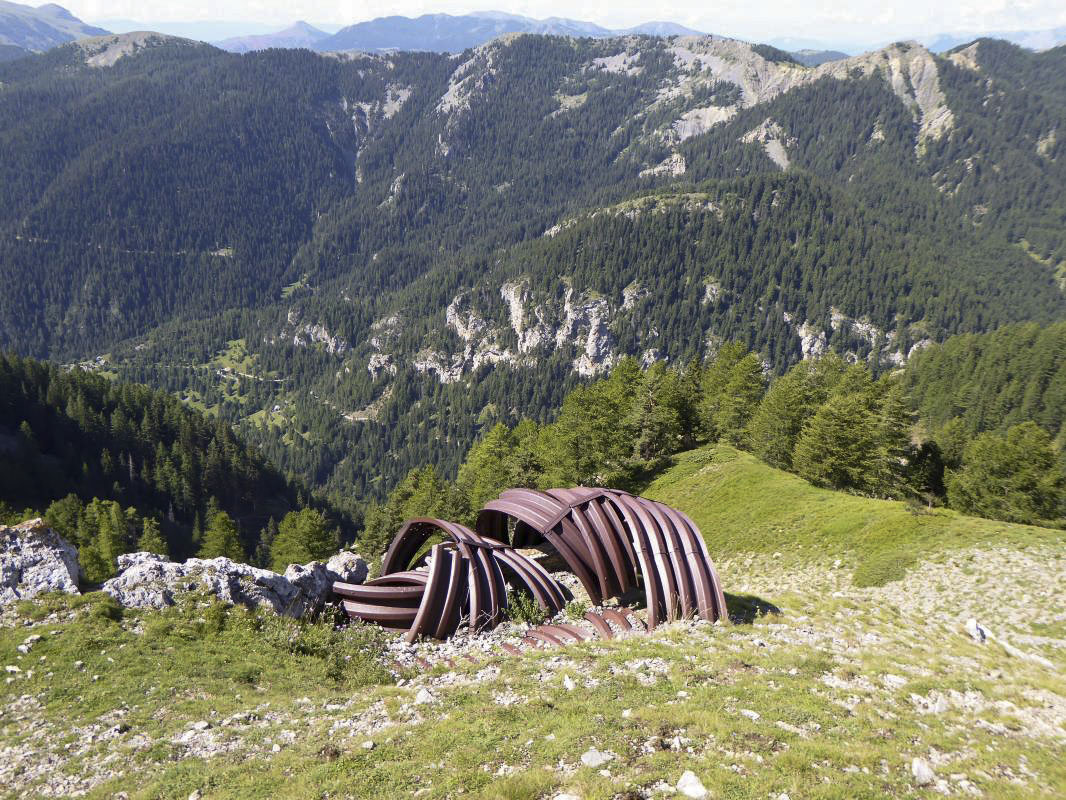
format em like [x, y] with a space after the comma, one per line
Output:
[151, 540]
[221, 538]
[1015, 477]
[266, 541]
[303, 536]
[739, 400]
[838, 445]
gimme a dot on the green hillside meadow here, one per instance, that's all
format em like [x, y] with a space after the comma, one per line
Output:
[844, 663]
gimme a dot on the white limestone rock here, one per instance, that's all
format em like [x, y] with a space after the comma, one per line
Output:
[35, 559]
[315, 581]
[691, 786]
[146, 580]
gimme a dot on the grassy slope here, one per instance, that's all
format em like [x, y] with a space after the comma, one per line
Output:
[832, 679]
[742, 505]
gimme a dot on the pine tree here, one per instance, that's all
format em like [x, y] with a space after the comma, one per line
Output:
[791, 401]
[266, 540]
[303, 536]
[739, 400]
[894, 449]
[486, 471]
[221, 538]
[838, 445]
[1015, 477]
[715, 379]
[152, 540]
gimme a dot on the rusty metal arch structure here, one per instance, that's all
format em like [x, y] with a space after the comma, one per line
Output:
[613, 541]
[466, 581]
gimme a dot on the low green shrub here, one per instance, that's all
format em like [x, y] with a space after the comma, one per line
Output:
[521, 607]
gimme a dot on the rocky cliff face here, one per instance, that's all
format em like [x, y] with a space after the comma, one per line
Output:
[34, 559]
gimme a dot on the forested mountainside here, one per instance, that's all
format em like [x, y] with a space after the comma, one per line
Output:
[362, 261]
[74, 435]
[991, 381]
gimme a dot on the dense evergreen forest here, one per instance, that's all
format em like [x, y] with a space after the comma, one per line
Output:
[127, 459]
[832, 423]
[362, 264]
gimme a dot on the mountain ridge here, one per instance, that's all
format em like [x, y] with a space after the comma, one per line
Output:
[41, 28]
[322, 305]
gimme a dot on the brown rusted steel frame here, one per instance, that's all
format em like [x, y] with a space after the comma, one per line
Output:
[545, 636]
[572, 552]
[379, 593]
[600, 624]
[431, 597]
[610, 540]
[613, 540]
[396, 614]
[465, 581]
[618, 618]
[721, 611]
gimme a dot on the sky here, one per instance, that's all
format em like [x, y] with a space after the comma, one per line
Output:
[859, 20]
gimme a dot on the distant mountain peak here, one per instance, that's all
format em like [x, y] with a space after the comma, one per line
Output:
[454, 33]
[41, 28]
[299, 34]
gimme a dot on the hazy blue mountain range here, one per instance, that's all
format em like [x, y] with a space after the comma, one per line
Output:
[300, 34]
[9, 52]
[40, 28]
[452, 34]
[812, 58]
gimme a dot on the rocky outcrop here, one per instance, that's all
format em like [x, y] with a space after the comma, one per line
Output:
[146, 580]
[314, 581]
[706, 62]
[774, 140]
[34, 559]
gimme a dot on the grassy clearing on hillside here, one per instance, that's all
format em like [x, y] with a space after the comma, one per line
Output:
[829, 699]
[831, 696]
[743, 505]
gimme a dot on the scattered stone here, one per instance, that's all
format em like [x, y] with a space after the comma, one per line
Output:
[79, 665]
[691, 786]
[754, 716]
[976, 631]
[566, 797]
[595, 758]
[200, 725]
[424, 696]
[195, 795]
[893, 681]
[922, 772]
[34, 559]
[367, 745]
[568, 683]
[627, 713]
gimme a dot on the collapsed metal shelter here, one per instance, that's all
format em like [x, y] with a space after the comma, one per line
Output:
[612, 541]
